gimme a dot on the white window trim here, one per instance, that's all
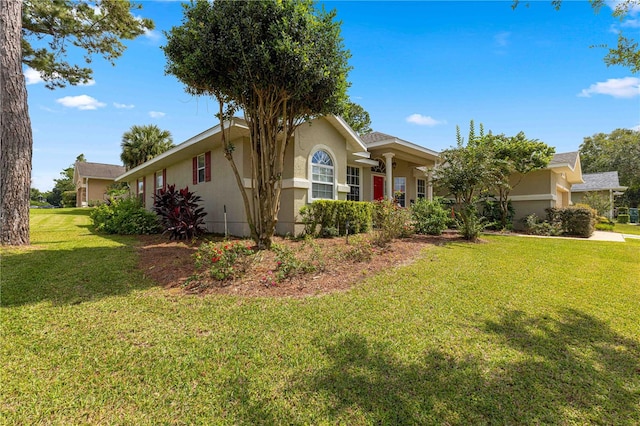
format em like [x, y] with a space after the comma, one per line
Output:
[203, 168]
[333, 157]
[159, 174]
[359, 180]
[425, 188]
[405, 188]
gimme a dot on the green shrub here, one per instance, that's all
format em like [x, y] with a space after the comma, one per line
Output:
[358, 249]
[492, 213]
[126, 216]
[224, 261]
[332, 217]
[623, 218]
[623, 210]
[429, 217]
[390, 222]
[576, 220]
[535, 227]
[289, 265]
[470, 224]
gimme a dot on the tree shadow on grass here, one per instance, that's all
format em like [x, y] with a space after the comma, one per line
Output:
[574, 369]
[69, 276]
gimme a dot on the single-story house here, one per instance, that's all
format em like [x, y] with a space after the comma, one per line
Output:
[92, 181]
[606, 184]
[549, 187]
[325, 160]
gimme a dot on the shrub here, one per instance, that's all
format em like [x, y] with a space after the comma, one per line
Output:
[535, 227]
[359, 249]
[623, 210]
[390, 221]
[224, 261]
[179, 212]
[471, 224]
[492, 213]
[126, 216]
[623, 218]
[332, 216]
[288, 265]
[576, 220]
[429, 217]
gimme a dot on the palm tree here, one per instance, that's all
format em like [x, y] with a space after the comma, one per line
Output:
[142, 143]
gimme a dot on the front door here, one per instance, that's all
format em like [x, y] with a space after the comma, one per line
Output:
[378, 187]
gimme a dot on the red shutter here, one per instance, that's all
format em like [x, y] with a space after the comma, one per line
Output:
[195, 170]
[164, 179]
[207, 166]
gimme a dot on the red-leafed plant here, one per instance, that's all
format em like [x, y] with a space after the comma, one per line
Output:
[179, 212]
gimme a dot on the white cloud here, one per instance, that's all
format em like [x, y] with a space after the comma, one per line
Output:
[626, 87]
[502, 38]
[634, 9]
[32, 76]
[156, 114]
[153, 35]
[636, 128]
[89, 82]
[82, 102]
[631, 23]
[423, 120]
[123, 106]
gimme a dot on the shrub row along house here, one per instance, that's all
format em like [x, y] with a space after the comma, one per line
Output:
[325, 160]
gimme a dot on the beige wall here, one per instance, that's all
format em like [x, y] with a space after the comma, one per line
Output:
[97, 191]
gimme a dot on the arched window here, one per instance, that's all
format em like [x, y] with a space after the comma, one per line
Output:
[322, 175]
[381, 167]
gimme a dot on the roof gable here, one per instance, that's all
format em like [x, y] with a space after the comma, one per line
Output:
[98, 170]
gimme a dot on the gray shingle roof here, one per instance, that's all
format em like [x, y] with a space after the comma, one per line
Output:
[375, 137]
[598, 182]
[565, 158]
[99, 170]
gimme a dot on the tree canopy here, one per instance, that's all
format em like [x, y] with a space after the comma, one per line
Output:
[51, 27]
[142, 143]
[280, 62]
[357, 118]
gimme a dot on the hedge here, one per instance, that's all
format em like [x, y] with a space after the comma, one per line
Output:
[332, 217]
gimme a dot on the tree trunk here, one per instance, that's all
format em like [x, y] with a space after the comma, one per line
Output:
[16, 142]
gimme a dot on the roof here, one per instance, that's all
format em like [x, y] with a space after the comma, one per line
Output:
[98, 170]
[569, 164]
[237, 128]
[407, 150]
[599, 182]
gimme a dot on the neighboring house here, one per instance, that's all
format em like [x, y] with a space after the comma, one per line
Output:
[325, 160]
[606, 184]
[549, 187]
[92, 180]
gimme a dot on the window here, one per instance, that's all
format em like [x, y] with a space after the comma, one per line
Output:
[201, 168]
[159, 181]
[141, 190]
[400, 190]
[421, 189]
[381, 167]
[353, 180]
[321, 175]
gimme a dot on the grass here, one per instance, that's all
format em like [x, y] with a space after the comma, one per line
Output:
[513, 331]
[627, 228]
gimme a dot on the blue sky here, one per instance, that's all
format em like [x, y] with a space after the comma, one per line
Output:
[419, 69]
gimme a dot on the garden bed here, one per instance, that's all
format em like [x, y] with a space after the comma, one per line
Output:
[172, 264]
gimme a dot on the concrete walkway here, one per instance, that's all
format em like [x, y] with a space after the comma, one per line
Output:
[607, 236]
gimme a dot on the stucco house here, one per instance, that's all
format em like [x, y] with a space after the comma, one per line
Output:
[606, 184]
[549, 187]
[325, 160]
[92, 180]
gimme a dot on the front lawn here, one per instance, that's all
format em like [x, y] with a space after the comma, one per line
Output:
[627, 228]
[511, 331]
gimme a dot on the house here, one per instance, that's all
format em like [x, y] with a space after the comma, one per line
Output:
[606, 184]
[549, 187]
[325, 160]
[92, 181]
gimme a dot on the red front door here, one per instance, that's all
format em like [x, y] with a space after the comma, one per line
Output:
[378, 187]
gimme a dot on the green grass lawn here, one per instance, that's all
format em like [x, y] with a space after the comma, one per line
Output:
[627, 228]
[511, 331]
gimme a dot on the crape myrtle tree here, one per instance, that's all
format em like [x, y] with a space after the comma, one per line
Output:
[280, 62]
[39, 33]
[142, 143]
[511, 158]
